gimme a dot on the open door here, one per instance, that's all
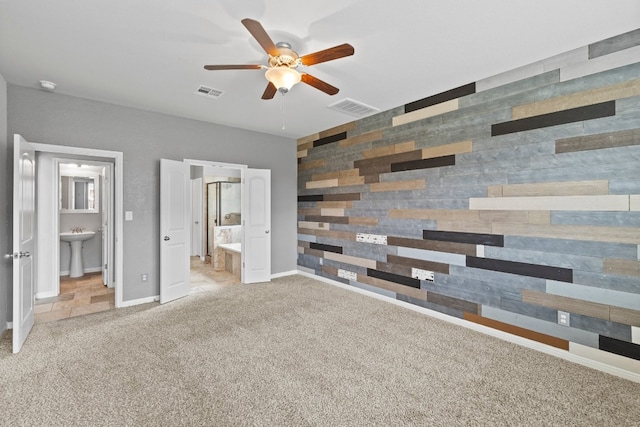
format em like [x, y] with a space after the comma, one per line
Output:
[174, 230]
[256, 218]
[24, 236]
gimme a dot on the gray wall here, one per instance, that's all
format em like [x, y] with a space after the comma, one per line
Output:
[144, 137]
[5, 230]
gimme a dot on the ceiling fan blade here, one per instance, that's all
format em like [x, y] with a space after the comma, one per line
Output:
[258, 32]
[328, 54]
[319, 84]
[270, 91]
[232, 67]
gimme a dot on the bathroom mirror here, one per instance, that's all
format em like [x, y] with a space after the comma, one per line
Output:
[79, 189]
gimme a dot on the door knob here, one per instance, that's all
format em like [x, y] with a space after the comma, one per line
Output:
[166, 238]
[8, 256]
[266, 231]
[25, 254]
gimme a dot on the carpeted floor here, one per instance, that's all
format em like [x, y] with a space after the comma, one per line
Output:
[293, 352]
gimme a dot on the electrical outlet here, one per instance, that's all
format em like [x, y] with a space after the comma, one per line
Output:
[144, 277]
[564, 318]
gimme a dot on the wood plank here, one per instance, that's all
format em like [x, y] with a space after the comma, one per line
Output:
[327, 219]
[539, 217]
[465, 226]
[432, 245]
[307, 146]
[516, 330]
[416, 184]
[425, 113]
[441, 97]
[445, 150]
[335, 204]
[562, 188]
[352, 260]
[314, 252]
[623, 138]
[393, 287]
[402, 147]
[610, 203]
[572, 305]
[361, 139]
[409, 263]
[571, 232]
[454, 303]
[634, 202]
[302, 153]
[309, 211]
[363, 220]
[401, 270]
[329, 212]
[330, 270]
[622, 267]
[313, 225]
[307, 139]
[588, 97]
[325, 175]
[336, 130]
[327, 183]
[494, 191]
[351, 180]
[332, 234]
[625, 316]
[311, 165]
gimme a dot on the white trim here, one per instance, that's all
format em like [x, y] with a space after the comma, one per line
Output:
[86, 270]
[9, 325]
[43, 295]
[534, 345]
[284, 273]
[193, 162]
[118, 199]
[130, 303]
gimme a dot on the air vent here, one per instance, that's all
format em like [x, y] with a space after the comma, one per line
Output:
[353, 108]
[209, 92]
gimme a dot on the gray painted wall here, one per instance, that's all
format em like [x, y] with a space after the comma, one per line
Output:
[5, 230]
[144, 137]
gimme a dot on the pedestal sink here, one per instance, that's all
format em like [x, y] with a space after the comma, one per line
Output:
[75, 240]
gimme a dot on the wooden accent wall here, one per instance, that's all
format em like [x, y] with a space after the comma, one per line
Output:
[503, 201]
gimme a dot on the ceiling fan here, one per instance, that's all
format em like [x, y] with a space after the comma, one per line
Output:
[281, 72]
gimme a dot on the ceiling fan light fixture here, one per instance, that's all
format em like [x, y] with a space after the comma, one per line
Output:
[283, 78]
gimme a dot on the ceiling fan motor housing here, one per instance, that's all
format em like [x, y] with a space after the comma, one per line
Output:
[286, 58]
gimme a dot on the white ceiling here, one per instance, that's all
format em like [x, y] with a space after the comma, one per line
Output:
[150, 54]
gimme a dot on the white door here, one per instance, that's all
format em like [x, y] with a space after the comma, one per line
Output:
[174, 230]
[105, 209]
[256, 218]
[196, 217]
[24, 235]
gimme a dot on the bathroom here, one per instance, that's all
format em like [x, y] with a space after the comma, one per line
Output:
[220, 235]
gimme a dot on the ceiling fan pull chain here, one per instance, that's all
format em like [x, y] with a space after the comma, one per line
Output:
[282, 110]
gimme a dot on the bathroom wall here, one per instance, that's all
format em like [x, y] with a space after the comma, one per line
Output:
[512, 202]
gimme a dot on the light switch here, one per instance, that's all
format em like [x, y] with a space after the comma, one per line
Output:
[128, 215]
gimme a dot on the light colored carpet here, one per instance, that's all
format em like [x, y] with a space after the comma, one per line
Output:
[293, 352]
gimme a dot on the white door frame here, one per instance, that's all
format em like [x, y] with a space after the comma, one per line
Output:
[118, 199]
[197, 220]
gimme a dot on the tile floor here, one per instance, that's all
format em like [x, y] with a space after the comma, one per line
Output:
[88, 294]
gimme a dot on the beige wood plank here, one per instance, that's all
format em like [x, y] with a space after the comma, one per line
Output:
[321, 184]
[504, 216]
[307, 146]
[349, 173]
[436, 214]
[539, 217]
[309, 211]
[338, 129]
[402, 147]
[308, 139]
[332, 234]
[351, 180]
[571, 232]
[347, 259]
[580, 99]
[314, 252]
[572, 305]
[313, 225]
[448, 149]
[339, 204]
[416, 184]
[566, 188]
[300, 250]
[302, 153]
[634, 202]
[423, 113]
[623, 138]
[494, 191]
[611, 203]
[311, 165]
[330, 212]
[622, 267]
[303, 244]
[330, 270]
[363, 220]
[361, 139]
[625, 316]
[393, 287]
[326, 175]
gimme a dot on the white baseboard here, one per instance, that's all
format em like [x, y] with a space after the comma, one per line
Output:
[9, 325]
[284, 273]
[130, 303]
[49, 294]
[534, 345]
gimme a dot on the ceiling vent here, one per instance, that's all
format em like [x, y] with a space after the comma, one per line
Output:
[209, 92]
[353, 108]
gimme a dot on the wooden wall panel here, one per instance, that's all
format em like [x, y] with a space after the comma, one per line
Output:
[553, 203]
[565, 188]
[425, 113]
[448, 149]
[572, 305]
[416, 184]
[599, 141]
